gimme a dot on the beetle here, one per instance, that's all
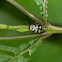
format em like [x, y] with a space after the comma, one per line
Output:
[35, 28]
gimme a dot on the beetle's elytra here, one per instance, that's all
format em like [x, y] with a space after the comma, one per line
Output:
[36, 28]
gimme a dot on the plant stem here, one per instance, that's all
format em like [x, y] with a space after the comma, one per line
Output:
[44, 9]
[20, 28]
[21, 8]
[22, 37]
[53, 29]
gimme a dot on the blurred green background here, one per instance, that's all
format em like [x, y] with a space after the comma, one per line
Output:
[51, 49]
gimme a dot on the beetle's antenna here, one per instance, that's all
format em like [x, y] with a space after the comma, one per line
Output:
[26, 22]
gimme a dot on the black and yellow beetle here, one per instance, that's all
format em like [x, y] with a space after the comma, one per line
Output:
[36, 28]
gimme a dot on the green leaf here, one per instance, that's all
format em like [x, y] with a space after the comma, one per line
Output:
[6, 57]
[34, 48]
[22, 59]
[14, 52]
[48, 51]
[19, 59]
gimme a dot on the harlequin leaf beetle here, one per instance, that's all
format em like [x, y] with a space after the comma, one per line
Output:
[36, 28]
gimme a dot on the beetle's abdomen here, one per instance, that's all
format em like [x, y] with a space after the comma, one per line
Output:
[36, 28]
